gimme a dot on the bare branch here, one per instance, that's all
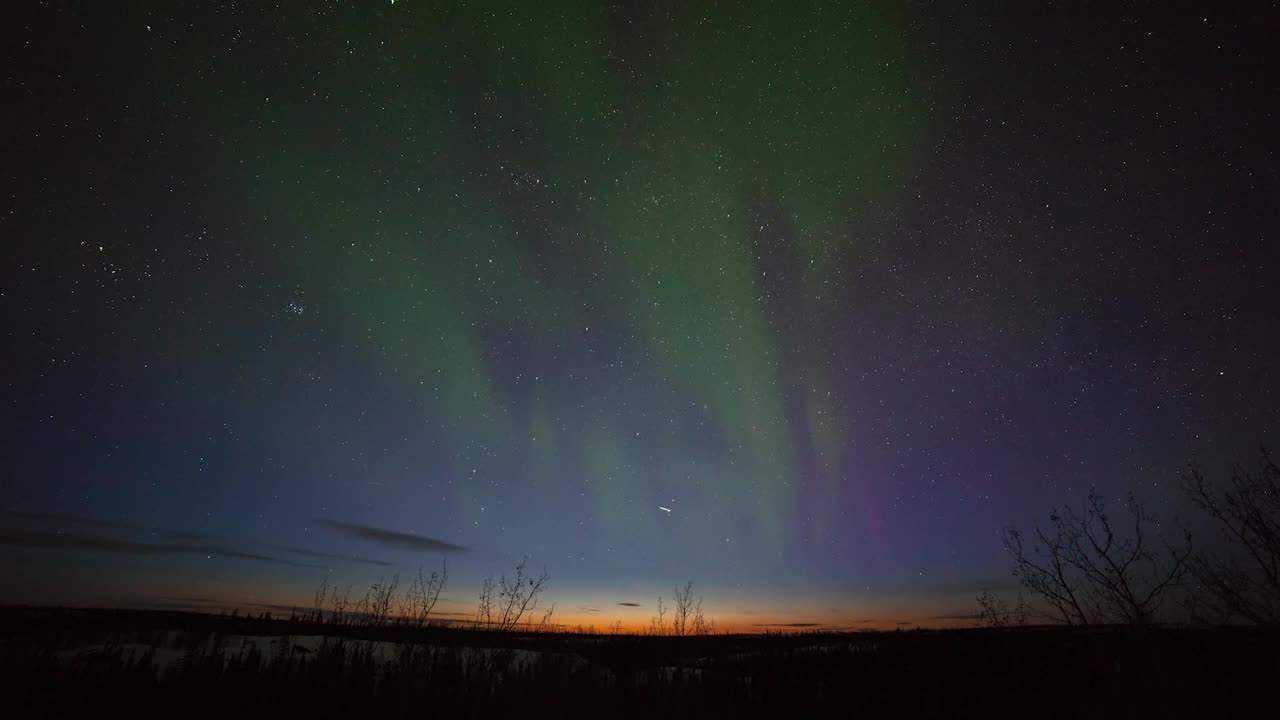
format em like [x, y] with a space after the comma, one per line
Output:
[1242, 584]
[423, 595]
[1087, 572]
[657, 625]
[519, 595]
[484, 611]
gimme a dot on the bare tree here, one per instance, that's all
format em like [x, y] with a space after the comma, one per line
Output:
[994, 612]
[1244, 585]
[519, 595]
[687, 617]
[701, 625]
[379, 600]
[339, 601]
[682, 620]
[484, 610]
[1087, 572]
[424, 593]
[544, 625]
[360, 612]
[318, 602]
[657, 624]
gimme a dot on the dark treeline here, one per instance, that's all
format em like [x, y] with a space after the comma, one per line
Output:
[74, 663]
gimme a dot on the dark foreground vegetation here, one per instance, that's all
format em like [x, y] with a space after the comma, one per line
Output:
[80, 663]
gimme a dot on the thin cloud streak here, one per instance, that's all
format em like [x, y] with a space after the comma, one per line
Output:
[192, 541]
[58, 519]
[331, 556]
[394, 538]
[26, 537]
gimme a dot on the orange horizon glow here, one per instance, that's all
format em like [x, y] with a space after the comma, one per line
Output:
[589, 612]
[589, 623]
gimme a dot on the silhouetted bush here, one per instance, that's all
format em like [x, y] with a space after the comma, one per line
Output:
[1243, 584]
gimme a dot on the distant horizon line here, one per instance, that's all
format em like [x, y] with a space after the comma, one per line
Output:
[277, 612]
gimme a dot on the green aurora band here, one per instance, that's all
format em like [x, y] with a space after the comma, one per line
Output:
[467, 170]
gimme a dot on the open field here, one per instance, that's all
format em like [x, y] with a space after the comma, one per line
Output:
[71, 663]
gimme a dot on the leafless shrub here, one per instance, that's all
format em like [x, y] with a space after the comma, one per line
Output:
[423, 594]
[1088, 573]
[378, 601]
[1244, 585]
[318, 602]
[657, 624]
[484, 610]
[339, 601]
[545, 625]
[994, 612]
[688, 618]
[701, 624]
[362, 607]
[519, 595]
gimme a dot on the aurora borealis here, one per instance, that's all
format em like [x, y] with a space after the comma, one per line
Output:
[844, 287]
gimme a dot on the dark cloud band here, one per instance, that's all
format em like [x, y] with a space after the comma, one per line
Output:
[393, 538]
[52, 540]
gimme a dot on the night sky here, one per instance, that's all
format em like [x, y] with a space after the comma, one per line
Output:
[342, 288]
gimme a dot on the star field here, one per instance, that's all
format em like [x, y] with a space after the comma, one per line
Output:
[803, 303]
